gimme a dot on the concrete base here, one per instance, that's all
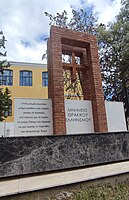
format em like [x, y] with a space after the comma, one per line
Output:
[46, 181]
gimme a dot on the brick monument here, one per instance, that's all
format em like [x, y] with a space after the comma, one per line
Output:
[73, 43]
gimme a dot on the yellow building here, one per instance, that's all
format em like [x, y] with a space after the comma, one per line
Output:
[25, 80]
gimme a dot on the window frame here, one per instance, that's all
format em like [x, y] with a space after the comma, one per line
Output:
[26, 80]
[8, 78]
[44, 79]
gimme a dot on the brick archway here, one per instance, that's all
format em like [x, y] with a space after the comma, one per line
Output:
[62, 40]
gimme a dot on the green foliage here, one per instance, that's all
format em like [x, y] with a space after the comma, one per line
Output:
[5, 102]
[114, 52]
[58, 20]
[80, 21]
[4, 62]
[83, 22]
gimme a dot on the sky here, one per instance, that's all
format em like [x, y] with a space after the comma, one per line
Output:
[25, 25]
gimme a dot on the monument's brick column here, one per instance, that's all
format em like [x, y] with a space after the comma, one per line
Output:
[91, 78]
[56, 82]
[97, 97]
[92, 84]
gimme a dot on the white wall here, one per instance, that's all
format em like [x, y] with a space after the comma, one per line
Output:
[115, 116]
[6, 129]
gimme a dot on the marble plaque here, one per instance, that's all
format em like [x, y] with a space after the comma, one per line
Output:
[79, 118]
[32, 117]
[29, 155]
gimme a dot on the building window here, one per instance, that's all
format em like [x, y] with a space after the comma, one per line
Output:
[6, 77]
[25, 78]
[44, 79]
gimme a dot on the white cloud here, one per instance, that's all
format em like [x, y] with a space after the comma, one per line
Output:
[106, 10]
[24, 20]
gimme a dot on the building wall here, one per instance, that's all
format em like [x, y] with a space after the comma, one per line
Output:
[34, 91]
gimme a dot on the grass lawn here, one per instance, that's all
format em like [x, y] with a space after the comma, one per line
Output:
[118, 191]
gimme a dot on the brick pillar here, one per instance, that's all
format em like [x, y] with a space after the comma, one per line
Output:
[56, 83]
[93, 85]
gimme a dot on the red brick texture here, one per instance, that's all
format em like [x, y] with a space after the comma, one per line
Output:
[91, 78]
